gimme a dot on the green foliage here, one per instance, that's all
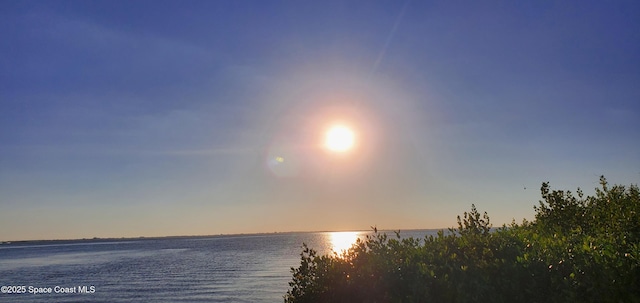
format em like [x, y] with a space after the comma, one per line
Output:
[578, 249]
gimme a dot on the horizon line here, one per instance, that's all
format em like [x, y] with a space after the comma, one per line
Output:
[5, 242]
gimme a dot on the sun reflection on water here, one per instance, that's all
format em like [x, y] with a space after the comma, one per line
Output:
[342, 241]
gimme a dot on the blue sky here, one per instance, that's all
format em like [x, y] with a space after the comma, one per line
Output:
[154, 118]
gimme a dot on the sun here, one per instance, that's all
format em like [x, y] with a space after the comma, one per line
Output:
[339, 138]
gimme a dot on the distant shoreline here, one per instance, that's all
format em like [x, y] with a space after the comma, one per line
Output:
[111, 239]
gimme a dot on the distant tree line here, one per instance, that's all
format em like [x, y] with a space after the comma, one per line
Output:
[577, 249]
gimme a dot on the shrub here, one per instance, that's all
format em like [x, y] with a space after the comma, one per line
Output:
[577, 249]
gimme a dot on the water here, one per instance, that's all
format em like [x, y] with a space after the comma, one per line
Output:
[241, 268]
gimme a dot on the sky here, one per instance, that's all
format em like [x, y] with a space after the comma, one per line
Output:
[161, 118]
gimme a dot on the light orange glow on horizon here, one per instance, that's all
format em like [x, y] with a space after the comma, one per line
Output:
[342, 241]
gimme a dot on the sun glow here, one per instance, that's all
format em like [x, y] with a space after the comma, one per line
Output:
[342, 241]
[339, 138]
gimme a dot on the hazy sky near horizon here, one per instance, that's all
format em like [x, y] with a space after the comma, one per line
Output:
[157, 118]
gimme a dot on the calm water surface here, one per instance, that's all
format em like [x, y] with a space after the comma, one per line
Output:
[242, 268]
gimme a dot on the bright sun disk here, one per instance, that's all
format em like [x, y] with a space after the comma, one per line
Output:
[339, 138]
